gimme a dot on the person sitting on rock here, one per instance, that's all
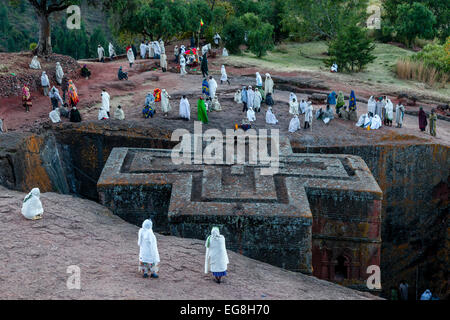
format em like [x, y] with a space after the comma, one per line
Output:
[55, 116]
[32, 207]
[122, 75]
[75, 115]
[148, 250]
[216, 258]
[35, 64]
[294, 125]
[269, 100]
[85, 73]
[119, 114]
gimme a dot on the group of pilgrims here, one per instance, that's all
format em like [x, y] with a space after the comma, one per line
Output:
[380, 111]
[216, 257]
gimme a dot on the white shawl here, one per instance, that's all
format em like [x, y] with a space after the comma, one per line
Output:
[216, 258]
[54, 116]
[270, 117]
[35, 64]
[294, 125]
[32, 205]
[148, 251]
[224, 76]
[251, 115]
[130, 55]
[185, 109]
[165, 103]
[59, 73]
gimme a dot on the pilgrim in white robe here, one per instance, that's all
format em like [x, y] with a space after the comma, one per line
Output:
[143, 50]
[55, 116]
[399, 115]
[150, 50]
[216, 257]
[101, 53]
[162, 47]
[59, 73]
[376, 122]
[334, 67]
[165, 103]
[308, 112]
[225, 52]
[148, 248]
[238, 96]
[302, 106]
[163, 61]
[257, 101]
[250, 97]
[268, 85]
[389, 110]
[32, 206]
[259, 82]
[294, 125]
[251, 115]
[45, 83]
[185, 109]
[371, 105]
[182, 65]
[119, 114]
[212, 87]
[130, 56]
[293, 107]
[112, 52]
[106, 101]
[270, 117]
[35, 64]
[224, 76]
[215, 106]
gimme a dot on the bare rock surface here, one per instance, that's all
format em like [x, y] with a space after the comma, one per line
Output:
[35, 256]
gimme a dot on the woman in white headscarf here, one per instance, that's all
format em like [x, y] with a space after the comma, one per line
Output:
[250, 97]
[32, 207]
[294, 125]
[215, 106]
[45, 83]
[59, 73]
[112, 52]
[238, 96]
[268, 85]
[35, 64]
[165, 103]
[270, 117]
[224, 76]
[182, 65]
[130, 56]
[185, 108]
[259, 82]
[148, 250]
[163, 62]
[293, 104]
[251, 115]
[257, 101]
[371, 106]
[216, 258]
[389, 112]
[55, 116]
[308, 114]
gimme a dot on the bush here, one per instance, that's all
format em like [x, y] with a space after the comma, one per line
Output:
[261, 39]
[386, 33]
[233, 35]
[33, 46]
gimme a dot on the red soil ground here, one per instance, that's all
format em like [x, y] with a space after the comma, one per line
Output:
[131, 95]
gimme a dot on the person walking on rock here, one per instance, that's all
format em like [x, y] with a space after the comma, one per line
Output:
[216, 258]
[148, 250]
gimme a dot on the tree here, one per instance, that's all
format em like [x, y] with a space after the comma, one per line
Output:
[261, 39]
[413, 21]
[440, 9]
[234, 33]
[351, 50]
[321, 19]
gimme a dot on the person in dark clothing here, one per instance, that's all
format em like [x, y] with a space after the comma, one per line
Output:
[204, 66]
[85, 73]
[422, 120]
[75, 115]
[64, 87]
[134, 50]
